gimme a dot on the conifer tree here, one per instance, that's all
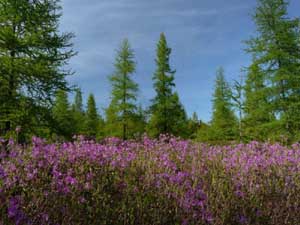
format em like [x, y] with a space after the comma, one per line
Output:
[92, 118]
[32, 55]
[224, 121]
[113, 125]
[138, 122]
[78, 105]
[179, 120]
[259, 117]
[167, 113]
[62, 115]
[276, 51]
[124, 89]
[237, 96]
[78, 112]
[193, 126]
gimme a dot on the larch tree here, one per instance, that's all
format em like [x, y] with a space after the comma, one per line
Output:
[259, 117]
[33, 55]
[113, 125]
[224, 121]
[237, 96]
[276, 51]
[124, 89]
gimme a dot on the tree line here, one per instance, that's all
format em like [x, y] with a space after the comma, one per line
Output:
[124, 117]
[264, 105]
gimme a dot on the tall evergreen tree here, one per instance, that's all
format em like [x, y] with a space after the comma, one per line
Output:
[62, 115]
[259, 118]
[93, 120]
[224, 121]
[124, 89]
[78, 112]
[78, 105]
[276, 50]
[32, 56]
[167, 113]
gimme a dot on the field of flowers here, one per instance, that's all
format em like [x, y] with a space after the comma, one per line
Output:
[165, 181]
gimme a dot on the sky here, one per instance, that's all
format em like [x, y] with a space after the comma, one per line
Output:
[203, 35]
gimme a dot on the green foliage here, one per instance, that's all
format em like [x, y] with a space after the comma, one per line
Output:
[259, 117]
[167, 113]
[32, 55]
[62, 115]
[237, 96]
[276, 52]
[204, 133]
[78, 105]
[138, 123]
[93, 122]
[123, 109]
[224, 121]
[113, 126]
[78, 112]
[193, 125]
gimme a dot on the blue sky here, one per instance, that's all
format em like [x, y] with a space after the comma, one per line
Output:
[203, 34]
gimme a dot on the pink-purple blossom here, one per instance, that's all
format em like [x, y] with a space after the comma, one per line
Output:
[188, 183]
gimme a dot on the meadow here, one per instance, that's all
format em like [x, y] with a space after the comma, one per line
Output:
[150, 181]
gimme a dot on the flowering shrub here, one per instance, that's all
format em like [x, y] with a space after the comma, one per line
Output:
[165, 181]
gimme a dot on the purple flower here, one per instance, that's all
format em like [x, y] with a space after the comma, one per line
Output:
[2, 172]
[70, 180]
[243, 220]
[14, 210]
[45, 217]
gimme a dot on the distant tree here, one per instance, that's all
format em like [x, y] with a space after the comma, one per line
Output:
[33, 54]
[92, 118]
[178, 118]
[193, 126]
[78, 104]
[259, 117]
[62, 115]
[204, 133]
[78, 112]
[113, 125]
[237, 96]
[124, 89]
[167, 113]
[276, 52]
[138, 123]
[224, 121]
